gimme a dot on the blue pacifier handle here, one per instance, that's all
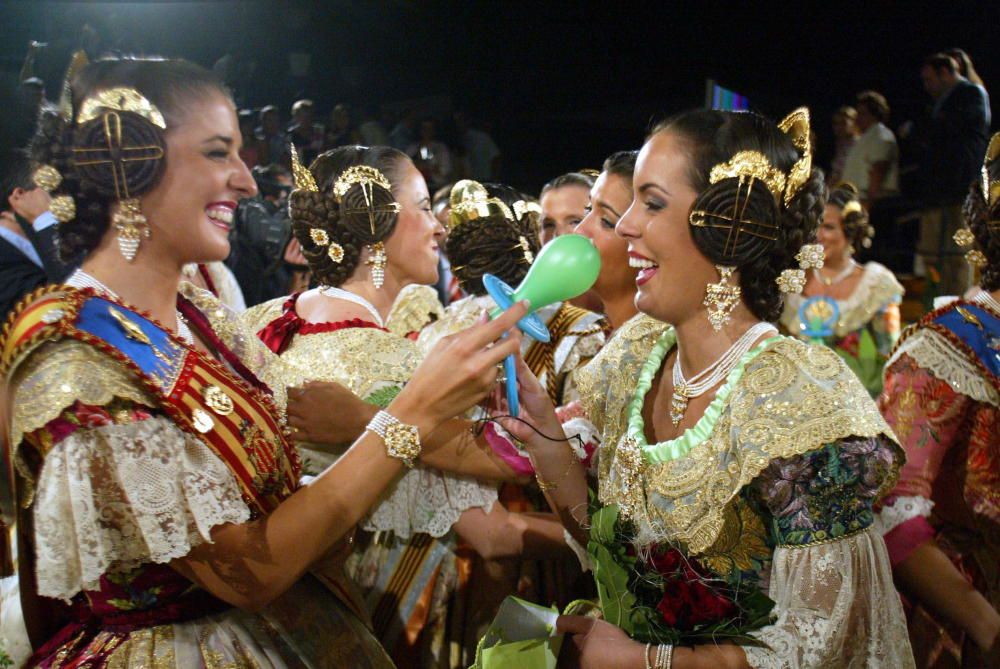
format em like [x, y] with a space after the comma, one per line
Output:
[530, 325]
[511, 372]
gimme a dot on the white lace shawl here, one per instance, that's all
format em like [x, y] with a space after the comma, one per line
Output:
[112, 498]
[836, 607]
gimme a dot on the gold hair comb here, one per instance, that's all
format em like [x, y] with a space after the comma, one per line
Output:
[796, 126]
[749, 165]
[470, 201]
[363, 175]
[120, 98]
[303, 178]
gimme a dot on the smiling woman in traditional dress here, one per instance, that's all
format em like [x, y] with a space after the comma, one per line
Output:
[159, 496]
[738, 468]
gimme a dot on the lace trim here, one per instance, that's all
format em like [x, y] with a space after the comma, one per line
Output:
[429, 501]
[936, 354]
[113, 498]
[901, 510]
[834, 602]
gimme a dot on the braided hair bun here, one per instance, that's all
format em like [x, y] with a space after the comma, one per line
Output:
[741, 222]
[331, 234]
[984, 222]
[493, 244]
[119, 134]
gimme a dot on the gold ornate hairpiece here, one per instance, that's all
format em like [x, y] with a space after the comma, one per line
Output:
[522, 208]
[301, 176]
[76, 63]
[363, 175]
[120, 98]
[747, 166]
[991, 189]
[470, 201]
[796, 126]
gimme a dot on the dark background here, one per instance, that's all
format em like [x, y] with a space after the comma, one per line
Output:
[564, 84]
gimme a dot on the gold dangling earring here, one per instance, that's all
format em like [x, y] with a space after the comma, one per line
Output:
[132, 227]
[377, 261]
[721, 298]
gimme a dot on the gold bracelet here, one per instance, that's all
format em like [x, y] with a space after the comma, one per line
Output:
[546, 486]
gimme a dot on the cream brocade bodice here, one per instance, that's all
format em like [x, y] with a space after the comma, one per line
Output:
[375, 365]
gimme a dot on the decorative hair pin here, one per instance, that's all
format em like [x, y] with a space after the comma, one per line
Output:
[796, 126]
[811, 256]
[123, 99]
[301, 176]
[991, 190]
[791, 281]
[305, 181]
[965, 239]
[522, 208]
[360, 175]
[747, 166]
[852, 207]
[470, 201]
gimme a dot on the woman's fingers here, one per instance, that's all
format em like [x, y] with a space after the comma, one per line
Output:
[480, 336]
[574, 624]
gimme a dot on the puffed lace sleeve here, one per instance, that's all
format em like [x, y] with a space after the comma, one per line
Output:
[835, 602]
[430, 501]
[112, 497]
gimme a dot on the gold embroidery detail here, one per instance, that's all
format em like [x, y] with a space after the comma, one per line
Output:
[791, 399]
[741, 541]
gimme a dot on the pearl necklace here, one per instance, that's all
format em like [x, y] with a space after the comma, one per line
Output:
[80, 279]
[341, 294]
[846, 272]
[685, 390]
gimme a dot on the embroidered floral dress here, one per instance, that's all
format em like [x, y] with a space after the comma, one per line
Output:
[770, 493]
[405, 565]
[121, 476]
[942, 398]
[866, 326]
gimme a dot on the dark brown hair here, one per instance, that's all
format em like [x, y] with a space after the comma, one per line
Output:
[312, 210]
[714, 137]
[621, 163]
[857, 228]
[875, 103]
[569, 179]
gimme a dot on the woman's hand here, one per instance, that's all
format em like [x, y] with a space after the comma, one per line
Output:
[458, 372]
[535, 409]
[592, 643]
[327, 413]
